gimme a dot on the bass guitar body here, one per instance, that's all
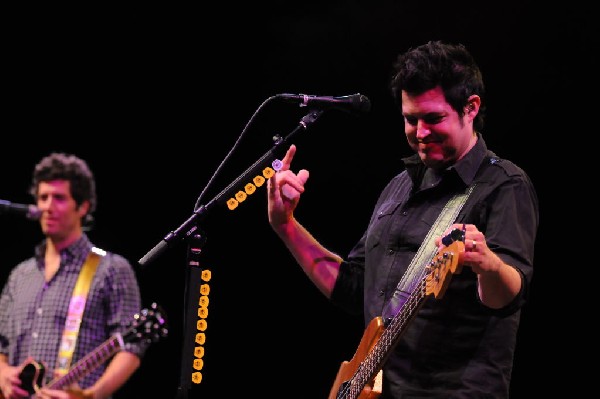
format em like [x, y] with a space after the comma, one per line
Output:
[348, 368]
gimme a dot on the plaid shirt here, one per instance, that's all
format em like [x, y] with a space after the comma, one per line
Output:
[33, 311]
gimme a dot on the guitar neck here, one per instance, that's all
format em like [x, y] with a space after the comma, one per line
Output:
[89, 363]
[352, 379]
[375, 359]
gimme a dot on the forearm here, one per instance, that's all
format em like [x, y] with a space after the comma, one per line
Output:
[319, 264]
[499, 287]
[118, 371]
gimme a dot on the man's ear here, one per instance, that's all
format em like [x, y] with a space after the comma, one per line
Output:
[473, 104]
[84, 208]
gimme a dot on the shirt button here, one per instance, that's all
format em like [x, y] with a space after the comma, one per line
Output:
[381, 292]
[39, 311]
[34, 335]
[404, 213]
[390, 251]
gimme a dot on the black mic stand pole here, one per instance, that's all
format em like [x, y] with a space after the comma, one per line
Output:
[190, 231]
[194, 336]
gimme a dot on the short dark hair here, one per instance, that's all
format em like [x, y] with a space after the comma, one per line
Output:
[449, 66]
[62, 166]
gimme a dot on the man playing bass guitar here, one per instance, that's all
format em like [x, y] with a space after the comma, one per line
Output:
[461, 346]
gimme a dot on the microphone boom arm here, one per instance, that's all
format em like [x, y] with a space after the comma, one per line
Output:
[260, 167]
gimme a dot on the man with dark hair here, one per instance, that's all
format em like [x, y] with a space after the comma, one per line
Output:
[38, 319]
[461, 346]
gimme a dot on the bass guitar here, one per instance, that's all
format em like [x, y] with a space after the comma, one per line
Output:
[361, 377]
[148, 325]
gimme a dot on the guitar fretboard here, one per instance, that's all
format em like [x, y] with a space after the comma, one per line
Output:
[89, 362]
[376, 357]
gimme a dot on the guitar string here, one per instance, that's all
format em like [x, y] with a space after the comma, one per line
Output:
[88, 363]
[110, 347]
[376, 356]
[356, 384]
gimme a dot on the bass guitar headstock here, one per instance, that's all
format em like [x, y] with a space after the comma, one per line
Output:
[445, 263]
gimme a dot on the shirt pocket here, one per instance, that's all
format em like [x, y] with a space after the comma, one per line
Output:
[379, 225]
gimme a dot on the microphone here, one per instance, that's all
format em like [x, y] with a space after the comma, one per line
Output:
[31, 212]
[352, 103]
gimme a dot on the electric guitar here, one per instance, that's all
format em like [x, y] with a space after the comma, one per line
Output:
[361, 377]
[148, 325]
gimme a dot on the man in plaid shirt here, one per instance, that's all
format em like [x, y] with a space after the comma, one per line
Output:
[35, 299]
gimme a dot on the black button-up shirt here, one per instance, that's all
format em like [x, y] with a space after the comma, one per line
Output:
[455, 346]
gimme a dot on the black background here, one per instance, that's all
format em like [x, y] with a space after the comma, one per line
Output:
[154, 97]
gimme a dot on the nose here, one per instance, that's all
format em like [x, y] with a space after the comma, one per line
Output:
[422, 130]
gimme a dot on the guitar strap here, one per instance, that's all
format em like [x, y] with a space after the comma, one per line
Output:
[75, 312]
[416, 270]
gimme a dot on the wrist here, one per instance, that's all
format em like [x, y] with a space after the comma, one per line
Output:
[285, 229]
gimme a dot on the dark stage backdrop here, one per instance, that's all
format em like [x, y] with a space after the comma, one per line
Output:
[155, 96]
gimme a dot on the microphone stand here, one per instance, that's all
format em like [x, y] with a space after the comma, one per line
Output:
[190, 231]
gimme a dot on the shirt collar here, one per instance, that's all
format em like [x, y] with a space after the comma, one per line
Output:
[465, 168]
[77, 250]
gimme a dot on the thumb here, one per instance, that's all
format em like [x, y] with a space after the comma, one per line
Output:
[303, 175]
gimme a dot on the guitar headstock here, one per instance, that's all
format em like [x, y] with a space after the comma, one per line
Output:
[445, 263]
[148, 325]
